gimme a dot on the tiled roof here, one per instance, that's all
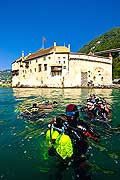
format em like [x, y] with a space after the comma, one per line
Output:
[42, 52]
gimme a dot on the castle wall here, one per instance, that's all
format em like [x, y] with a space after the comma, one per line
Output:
[62, 69]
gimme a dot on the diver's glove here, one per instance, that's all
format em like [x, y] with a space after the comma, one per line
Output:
[96, 138]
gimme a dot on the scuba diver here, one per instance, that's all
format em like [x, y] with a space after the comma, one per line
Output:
[48, 105]
[96, 111]
[91, 111]
[33, 113]
[67, 139]
[104, 109]
[38, 111]
[92, 98]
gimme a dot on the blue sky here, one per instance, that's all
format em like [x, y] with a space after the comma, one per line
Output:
[23, 23]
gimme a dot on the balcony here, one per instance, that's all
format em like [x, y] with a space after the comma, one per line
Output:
[56, 68]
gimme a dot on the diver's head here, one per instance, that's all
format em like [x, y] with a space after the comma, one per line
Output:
[34, 105]
[72, 112]
[92, 95]
[90, 105]
[60, 120]
[100, 104]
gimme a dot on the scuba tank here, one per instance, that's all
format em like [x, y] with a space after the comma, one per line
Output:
[59, 141]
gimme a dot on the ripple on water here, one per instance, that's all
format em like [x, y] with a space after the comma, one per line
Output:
[22, 143]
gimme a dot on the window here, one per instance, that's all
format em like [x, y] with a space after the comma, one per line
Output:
[52, 73]
[35, 69]
[21, 65]
[64, 67]
[39, 68]
[56, 73]
[64, 62]
[36, 60]
[101, 78]
[44, 58]
[45, 67]
[59, 73]
[27, 65]
[30, 70]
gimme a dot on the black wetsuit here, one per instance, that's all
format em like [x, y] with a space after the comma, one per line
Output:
[78, 131]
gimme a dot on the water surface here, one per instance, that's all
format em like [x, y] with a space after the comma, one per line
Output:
[22, 144]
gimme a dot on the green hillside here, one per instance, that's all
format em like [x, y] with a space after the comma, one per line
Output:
[5, 75]
[108, 40]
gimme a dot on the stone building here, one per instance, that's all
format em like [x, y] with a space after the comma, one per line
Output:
[58, 67]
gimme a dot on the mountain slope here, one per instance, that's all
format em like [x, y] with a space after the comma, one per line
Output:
[108, 40]
[6, 75]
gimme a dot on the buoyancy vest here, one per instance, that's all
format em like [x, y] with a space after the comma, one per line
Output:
[62, 143]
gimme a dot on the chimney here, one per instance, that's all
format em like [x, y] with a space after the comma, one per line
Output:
[54, 43]
[69, 46]
[110, 56]
[29, 53]
[22, 54]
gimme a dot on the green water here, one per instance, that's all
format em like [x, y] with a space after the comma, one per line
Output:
[22, 144]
